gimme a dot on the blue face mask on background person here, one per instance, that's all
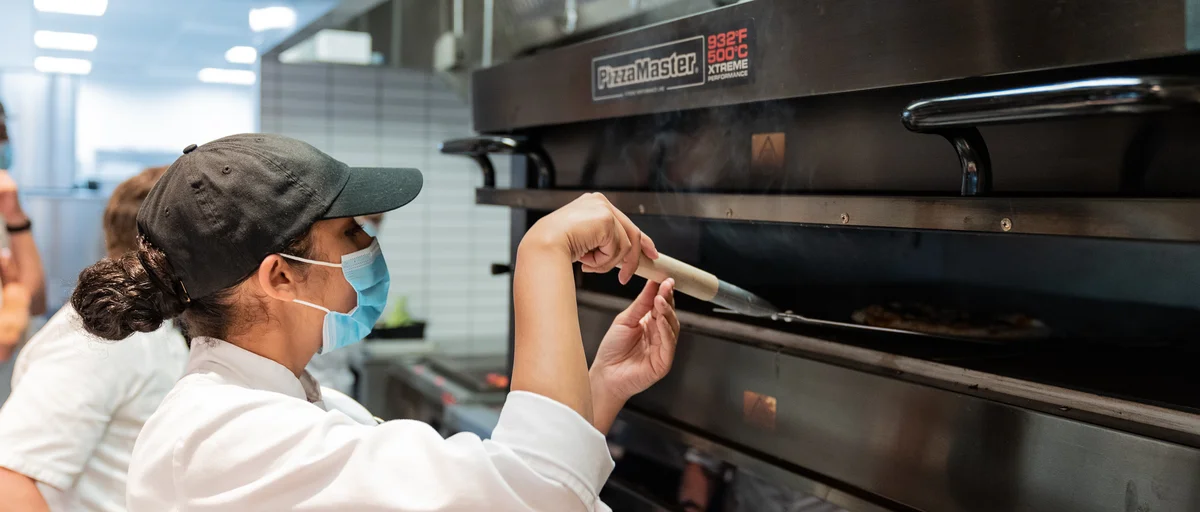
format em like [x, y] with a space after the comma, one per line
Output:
[6, 156]
[367, 273]
[369, 228]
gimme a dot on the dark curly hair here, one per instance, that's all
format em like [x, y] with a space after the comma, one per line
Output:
[138, 291]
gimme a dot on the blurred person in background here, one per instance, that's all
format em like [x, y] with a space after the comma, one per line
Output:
[77, 405]
[23, 282]
[14, 306]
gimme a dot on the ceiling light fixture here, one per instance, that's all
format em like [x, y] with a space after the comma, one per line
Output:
[61, 65]
[269, 18]
[226, 76]
[79, 7]
[50, 40]
[241, 55]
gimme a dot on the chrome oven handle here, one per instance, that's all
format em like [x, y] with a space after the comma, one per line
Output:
[478, 148]
[957, 117]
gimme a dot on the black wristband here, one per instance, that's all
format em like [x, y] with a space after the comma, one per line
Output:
[26, 226]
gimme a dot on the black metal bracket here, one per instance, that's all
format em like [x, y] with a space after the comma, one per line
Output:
[956, 117]
[974, 160]
[478, 149]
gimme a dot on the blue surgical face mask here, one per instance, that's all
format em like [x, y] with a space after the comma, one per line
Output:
[367, 273]
[6, 160]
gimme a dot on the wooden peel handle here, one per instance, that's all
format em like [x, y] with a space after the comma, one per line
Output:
[688, 279]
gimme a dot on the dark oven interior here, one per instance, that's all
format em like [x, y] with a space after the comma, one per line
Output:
[1122, 316]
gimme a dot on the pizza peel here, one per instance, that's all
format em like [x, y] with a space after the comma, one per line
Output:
[704, 286]
[733, 299]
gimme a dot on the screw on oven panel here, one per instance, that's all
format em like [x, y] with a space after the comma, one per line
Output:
[641, 208]
[729, 213]
[1006, 224]
[845, 218]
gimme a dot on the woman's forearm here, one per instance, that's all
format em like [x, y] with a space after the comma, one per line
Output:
[29, 263]
[20, 492]
[605, 405]
[548, 356]
[14, 317]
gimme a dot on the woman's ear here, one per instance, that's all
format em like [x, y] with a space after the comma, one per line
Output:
[277, 278]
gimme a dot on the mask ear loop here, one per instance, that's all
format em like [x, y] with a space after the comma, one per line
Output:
[311, 305]
[313, 262]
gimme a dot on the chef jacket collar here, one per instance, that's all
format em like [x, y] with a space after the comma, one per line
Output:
[254, 370]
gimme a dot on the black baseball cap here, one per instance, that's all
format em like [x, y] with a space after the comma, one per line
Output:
[224, 206]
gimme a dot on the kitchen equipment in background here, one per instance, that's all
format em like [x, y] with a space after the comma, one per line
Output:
[422, 389]
[398, 324]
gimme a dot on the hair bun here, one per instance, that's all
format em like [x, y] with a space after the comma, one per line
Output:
[118, 297]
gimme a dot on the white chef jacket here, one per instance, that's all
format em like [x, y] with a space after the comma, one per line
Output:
[241, 432]
[77, 406]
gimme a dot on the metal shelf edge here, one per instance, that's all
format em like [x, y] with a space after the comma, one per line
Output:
[1120, 218]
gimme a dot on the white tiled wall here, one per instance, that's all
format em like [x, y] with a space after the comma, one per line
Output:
[440, 247]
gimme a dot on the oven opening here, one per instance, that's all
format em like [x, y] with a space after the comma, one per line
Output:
[1117, 318]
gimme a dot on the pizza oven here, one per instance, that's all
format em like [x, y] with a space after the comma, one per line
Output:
[1010, 189]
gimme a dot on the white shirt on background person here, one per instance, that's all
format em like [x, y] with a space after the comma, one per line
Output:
[241, 432]
[77, 406]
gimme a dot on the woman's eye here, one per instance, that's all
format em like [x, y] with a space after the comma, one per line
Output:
[354, 231]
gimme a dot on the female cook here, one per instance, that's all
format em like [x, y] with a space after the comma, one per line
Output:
[251, 241]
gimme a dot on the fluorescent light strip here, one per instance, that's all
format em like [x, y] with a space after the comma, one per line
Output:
[64, 41]
[241, 55]
[61, 65]
[269, 18]
[226, 76]
[79, 7]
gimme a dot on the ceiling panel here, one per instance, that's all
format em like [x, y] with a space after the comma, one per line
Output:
[150, 38]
